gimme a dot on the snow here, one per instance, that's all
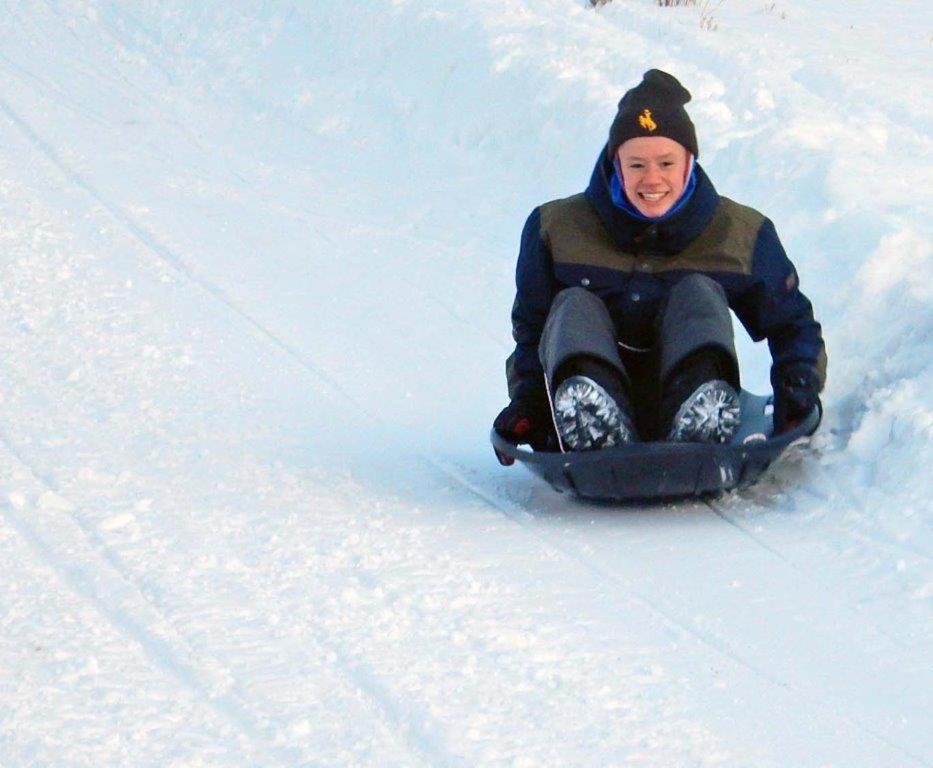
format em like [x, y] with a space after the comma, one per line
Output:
[255, 285]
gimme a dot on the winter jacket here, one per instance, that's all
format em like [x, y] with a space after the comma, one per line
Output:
[631, 264]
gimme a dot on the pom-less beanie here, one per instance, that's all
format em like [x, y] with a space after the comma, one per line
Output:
[654, 107]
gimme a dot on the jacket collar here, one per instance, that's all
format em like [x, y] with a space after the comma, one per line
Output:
[667, 237]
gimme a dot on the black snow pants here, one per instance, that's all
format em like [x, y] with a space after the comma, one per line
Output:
[695, 320]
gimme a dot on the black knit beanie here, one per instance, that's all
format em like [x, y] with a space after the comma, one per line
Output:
[654, 107]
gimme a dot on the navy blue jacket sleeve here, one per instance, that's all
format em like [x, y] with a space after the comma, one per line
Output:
[773, 307]
[534, 283]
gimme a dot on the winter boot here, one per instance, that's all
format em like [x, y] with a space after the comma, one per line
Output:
[707, 406]
[709, 415]
[591, 409]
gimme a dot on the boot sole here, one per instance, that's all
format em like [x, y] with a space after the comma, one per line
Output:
[588, 418]
[710, 415]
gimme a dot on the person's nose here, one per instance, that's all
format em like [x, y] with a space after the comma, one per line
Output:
[652, 174]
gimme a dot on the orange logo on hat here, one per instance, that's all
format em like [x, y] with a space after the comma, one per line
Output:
[645, 121]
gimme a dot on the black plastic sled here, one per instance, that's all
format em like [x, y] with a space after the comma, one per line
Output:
[654, 470]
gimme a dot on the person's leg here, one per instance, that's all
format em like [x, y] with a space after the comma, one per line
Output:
[586, 379]
[578, 325]
[699, 374]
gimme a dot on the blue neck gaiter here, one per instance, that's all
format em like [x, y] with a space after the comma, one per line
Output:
[621, 201]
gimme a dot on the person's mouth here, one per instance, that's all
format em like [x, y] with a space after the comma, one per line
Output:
[651, 197]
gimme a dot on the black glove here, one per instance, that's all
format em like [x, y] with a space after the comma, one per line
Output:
[525, 420]
[796, 393]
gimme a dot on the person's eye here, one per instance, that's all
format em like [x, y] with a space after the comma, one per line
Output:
[667, 164]
[636, 166]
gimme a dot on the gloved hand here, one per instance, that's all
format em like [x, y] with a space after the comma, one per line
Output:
[796, 393]
[525, 420]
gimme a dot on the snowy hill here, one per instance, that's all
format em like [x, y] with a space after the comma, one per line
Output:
[256, 267]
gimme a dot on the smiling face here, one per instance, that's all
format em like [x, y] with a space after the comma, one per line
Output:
[654, 173]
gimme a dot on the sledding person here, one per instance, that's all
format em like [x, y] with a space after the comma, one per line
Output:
[621, 317]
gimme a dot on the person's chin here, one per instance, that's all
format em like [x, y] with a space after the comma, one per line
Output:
[653, 210]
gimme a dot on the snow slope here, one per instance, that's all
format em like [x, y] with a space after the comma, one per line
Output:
[255, 278]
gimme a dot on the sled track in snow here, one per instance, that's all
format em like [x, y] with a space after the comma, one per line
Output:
[602, 576]
[421, 739]
[119, 588]
[719, 509]
[99, 580]
[413, 727]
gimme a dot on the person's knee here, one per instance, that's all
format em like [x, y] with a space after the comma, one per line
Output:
[575, 295]
[578, 323]
[577, 302]
[698, 287]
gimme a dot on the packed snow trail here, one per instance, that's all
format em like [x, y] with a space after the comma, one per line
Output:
[256, 272]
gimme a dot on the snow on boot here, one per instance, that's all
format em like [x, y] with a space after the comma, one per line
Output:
[587, 417]
[710, 415]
